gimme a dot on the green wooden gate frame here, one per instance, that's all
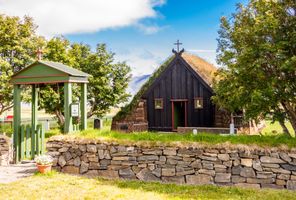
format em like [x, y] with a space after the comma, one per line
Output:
[45, 72]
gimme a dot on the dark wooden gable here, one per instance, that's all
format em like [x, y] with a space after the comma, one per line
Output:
[178, 81]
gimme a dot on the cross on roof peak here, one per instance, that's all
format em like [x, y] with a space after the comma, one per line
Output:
[39, 52]
[178, 52]
[178, 45]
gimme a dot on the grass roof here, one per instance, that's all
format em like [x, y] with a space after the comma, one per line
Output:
[199, 65]
[127, 109]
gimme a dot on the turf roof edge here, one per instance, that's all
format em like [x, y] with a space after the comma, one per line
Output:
[127, 109]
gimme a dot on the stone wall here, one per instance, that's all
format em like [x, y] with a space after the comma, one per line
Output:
[134, 122]
[222, 165]
[5, 151]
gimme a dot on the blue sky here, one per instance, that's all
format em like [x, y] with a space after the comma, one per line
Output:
[194, 22]
[140, 32]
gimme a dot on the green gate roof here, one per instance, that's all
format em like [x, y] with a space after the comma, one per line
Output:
[48, 72]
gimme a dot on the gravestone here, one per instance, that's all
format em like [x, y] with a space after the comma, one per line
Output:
[98, 123]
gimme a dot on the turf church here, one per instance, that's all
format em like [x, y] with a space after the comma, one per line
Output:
[178, 94]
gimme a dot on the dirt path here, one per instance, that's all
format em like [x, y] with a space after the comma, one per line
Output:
[15, 172]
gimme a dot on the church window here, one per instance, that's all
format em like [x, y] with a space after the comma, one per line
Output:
[198, 103]
[158, 103]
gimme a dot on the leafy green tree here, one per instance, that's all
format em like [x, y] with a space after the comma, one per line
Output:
[52, 95]
[257, 47]
[106, 88]
[109, 81]
[18, 42]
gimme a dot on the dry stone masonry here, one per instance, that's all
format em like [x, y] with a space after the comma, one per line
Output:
[5, 151]
[220, 165]
[135, 122]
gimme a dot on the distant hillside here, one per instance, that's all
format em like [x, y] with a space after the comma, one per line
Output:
[136, 83]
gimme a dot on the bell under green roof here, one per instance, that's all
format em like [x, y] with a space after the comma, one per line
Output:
[49, 72]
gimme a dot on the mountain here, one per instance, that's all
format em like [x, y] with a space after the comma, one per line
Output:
[136, 83]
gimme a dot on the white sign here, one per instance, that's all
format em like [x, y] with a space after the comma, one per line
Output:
[46, 125]
[194, 132]
[231, 129]
[75, 110]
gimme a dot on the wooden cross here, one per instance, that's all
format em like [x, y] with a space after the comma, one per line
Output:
[39, 52]
[178, 45]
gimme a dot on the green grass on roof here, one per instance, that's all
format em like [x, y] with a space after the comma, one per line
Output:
[127, 109]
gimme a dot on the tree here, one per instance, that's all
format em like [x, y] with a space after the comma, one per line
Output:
[109, 81]
[106, 88]
[257, 47]
[52, 95]
[18, 42]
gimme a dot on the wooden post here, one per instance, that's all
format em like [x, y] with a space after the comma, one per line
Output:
[22, 155]
[83, 106]
[28, 132]
[38, 150]
[33, 133]
[16, 120]
[68, 100]
[42, 140]
[34, 120]
[34, 107]
[231, 118]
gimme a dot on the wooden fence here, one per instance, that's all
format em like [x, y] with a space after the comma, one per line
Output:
[76, 127]
[29, 143]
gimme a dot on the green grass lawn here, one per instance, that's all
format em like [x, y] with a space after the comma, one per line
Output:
[275, 127]
[62, 186]
[167, 138]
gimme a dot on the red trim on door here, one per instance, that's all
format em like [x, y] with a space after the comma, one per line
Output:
[179, 100]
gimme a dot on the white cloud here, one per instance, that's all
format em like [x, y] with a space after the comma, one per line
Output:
[142, 61]
[145, 61]
[56, 17]
[150, 29]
